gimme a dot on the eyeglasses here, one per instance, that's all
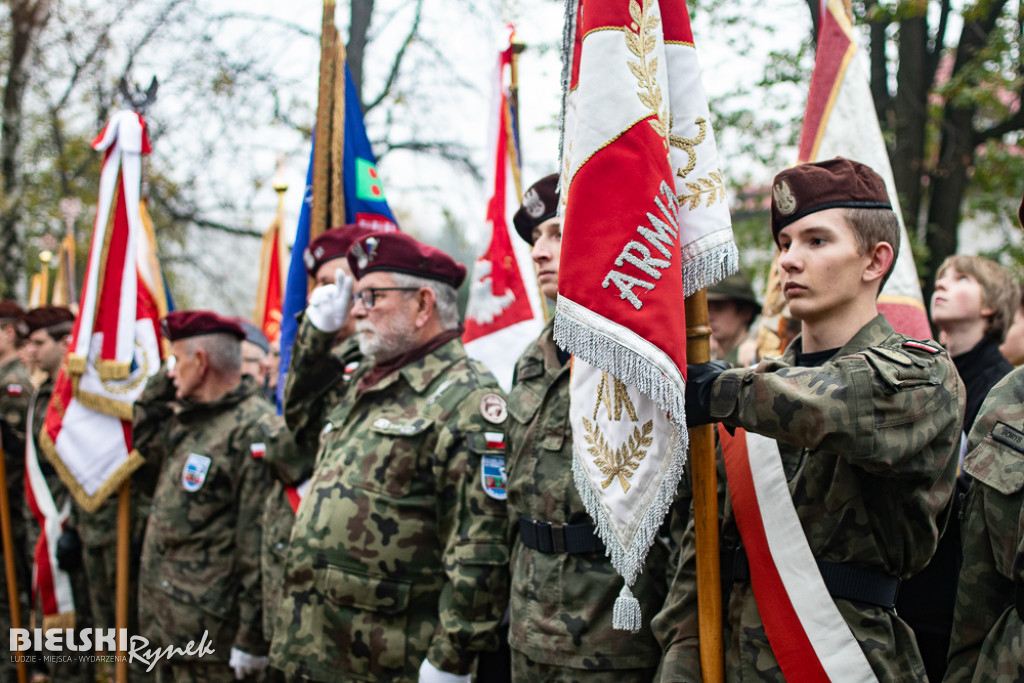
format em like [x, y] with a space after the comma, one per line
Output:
[368, 296]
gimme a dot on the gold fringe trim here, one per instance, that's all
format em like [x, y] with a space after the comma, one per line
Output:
[76, 364]
[112, 369]
[58, 621]
[111, 485]
[105, 404]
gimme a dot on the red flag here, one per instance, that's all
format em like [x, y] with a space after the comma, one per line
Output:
[114, 346]
[645, 224]
[270, 291]
[502, 316]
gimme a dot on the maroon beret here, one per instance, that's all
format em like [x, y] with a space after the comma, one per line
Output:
[56, 319]
[540, 203]
[332, 244]
[184, 324]
[397, 252]
[9, 310]
[836, 183]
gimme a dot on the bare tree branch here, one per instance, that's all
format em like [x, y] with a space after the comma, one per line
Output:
[396, 65]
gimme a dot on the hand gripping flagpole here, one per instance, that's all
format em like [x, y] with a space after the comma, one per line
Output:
[705, 504]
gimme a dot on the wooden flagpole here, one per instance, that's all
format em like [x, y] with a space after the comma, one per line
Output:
[124, 534]
[8, 546]
[705, 505]
[324, 113]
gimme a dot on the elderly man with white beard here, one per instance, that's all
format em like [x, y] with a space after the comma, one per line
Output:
[397, 568]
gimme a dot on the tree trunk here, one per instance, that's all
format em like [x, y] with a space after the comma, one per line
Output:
[359, 27]
[27, 21]
[910, 116]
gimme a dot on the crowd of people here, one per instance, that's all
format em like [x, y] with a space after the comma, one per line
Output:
[407, 520]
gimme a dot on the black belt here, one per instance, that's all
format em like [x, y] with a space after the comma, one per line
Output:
[549, 537]
[844, 581]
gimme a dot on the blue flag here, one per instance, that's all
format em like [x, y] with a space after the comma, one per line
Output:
[365, 205]
[296, 284]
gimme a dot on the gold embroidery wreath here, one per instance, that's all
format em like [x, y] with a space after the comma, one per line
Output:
[621, 462]
[641, 41]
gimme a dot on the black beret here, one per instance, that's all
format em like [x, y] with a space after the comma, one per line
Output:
[540, 203]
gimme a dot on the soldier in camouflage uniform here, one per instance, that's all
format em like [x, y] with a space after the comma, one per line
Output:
[866, 421]
[200, 559]
[988, 623]
[15, 394]
[48, 329]
[563, 585]
[397, 568]
[321, 368]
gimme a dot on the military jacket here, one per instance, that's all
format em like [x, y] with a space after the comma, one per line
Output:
[988, 634]
[15, 395]
[561, 604]
[399, 550]
[869, 444]
[200, 558]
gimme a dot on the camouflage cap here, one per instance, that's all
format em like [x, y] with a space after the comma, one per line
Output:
[184, 324]
[398, 252]
[836, 183]
[736, 287]
[332, 244]
[57, 320]
[540, 203]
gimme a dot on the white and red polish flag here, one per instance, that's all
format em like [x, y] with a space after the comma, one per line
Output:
[503, 314]
[841, 121]
[114, 346]
[645, 224]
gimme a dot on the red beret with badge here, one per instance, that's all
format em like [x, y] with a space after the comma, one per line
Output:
[397, 252]
[332, 244]
[184, 324]
[57, 320]
[540, 203]
[836, 183]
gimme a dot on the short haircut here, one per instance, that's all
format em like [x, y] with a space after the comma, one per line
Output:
[224, 351]
[999, 289]
[873, 226]
[446, 297]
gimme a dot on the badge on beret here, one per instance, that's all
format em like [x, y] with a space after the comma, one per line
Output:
[194, 474]
[365, 251]
[492, 474]
[785, 202]
[493, 408]
[533, 204]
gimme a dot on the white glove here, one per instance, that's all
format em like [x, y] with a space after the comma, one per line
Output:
[329, 305]
[431, 674]
[244, 663]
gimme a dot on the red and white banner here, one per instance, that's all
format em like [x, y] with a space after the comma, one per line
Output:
[809, 637]
[645, 224]
[841, 121]
[51, 586]
[503, 314]
[270, 289]
[114, 346]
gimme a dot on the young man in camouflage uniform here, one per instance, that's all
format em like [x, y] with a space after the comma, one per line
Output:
[200, 560]
[988, 622]
[865, 424]
[397, 568]
[563, 585]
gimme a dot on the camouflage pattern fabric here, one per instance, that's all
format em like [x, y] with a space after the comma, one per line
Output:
[318, 378]
[200, 558]
[398, 552]
[988, 635]
[869, 443]
[289, 465]
[561, 604]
